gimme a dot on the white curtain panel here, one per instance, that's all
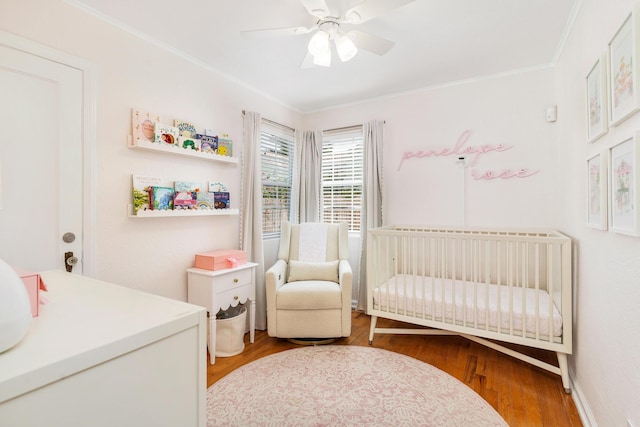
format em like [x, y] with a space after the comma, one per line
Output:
[308, 176]
[252, 209]
[372, 195]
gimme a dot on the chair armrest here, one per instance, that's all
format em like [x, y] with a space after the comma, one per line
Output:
[275, 277]
[344, 272]
[277, 274]
[345, 276]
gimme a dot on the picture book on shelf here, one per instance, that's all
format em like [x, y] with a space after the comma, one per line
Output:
[209, 144]
[221, 200]
[161, 198]
[205, 200]
[141, 186]
[186, 194]
[225, 147]
[187, 186]
[165, 134]
[185, 200]
[189, 143]
[216, 186]
[186, 129]
[143, 125]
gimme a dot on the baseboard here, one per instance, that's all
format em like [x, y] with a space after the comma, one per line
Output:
[584, 410]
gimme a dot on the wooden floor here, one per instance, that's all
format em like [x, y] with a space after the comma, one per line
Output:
[524, 395]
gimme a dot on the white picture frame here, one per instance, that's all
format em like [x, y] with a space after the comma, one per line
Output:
[624, 65]
[624, 215]
[597, 105]
[597, 200]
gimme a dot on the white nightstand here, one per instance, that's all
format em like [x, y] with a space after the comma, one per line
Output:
[222, 289]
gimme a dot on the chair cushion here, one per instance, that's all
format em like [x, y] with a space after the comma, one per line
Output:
[327, 271]
[309, 295]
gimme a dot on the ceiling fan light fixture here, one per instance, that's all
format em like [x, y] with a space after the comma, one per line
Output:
[346, 48]
[319, 43]
[323, 59]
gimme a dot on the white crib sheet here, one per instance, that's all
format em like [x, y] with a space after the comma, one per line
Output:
[420, 296]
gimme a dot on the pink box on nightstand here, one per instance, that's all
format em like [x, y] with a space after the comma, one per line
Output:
[33, 282]
[219, 260]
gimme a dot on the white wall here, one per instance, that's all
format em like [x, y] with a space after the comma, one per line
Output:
[508, 110]
[607, 341]
[148, 254]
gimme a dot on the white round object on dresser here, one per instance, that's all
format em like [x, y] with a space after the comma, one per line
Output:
[15, 308]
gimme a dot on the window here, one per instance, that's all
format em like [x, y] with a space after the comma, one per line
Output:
[342, 176]
[277, 153]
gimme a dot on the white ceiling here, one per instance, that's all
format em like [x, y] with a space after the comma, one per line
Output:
[437, 42]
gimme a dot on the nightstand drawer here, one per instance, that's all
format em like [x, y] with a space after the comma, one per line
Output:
[233, 280]
[233, 297]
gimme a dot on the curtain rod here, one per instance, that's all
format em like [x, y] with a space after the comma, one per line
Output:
[346, 128]
[271, 122]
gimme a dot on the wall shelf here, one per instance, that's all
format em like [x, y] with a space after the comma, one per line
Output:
[181, 212]
[170, 149]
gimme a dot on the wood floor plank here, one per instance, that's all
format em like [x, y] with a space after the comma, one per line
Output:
[522, 394]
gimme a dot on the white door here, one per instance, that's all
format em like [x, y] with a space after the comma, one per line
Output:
[41, 155]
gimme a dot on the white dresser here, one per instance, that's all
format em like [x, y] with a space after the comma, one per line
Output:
[103, 355]
[222, 289]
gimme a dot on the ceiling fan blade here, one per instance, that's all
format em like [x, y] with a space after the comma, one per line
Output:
[370, 9]
[276, 32]
[317, 8]
[369, 42]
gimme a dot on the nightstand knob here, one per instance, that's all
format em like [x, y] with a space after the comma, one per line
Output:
[235, 280]
[235, 297]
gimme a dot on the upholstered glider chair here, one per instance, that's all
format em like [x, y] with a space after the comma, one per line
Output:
[309, 287]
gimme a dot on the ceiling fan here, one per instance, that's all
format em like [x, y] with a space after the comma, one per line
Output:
[330, 27]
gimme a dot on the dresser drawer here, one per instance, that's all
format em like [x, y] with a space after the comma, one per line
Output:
[232, 280]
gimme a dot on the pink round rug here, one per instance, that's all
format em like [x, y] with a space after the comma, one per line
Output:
[344, 386]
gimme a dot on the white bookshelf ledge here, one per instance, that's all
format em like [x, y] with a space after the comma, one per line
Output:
[181, 212]
[172, 149]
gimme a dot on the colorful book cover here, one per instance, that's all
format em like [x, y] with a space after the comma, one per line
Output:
[186, 129]
[205, 200]
[186, 194]
[221, 200]
[185, 200]
[189, 143]
[161, 198]
[187, 186]
[225, 147]
[165, 134]
[141, 186]
[216, 186]
[209, 144]
[143, 125]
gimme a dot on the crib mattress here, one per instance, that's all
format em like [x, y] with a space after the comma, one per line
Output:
[485, 306]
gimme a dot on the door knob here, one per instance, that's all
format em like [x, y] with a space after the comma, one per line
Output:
[69, 261]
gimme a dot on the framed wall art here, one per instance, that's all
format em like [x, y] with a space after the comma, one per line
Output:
[623, 187]
[597, 111]
[597, 191]
[624, 62]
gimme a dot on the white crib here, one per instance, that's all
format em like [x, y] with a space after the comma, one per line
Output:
[484, 284]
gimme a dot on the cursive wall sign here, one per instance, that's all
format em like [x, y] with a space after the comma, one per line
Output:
[462, 149]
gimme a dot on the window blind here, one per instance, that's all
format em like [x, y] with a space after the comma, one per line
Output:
[277, 157]
[342, 176]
